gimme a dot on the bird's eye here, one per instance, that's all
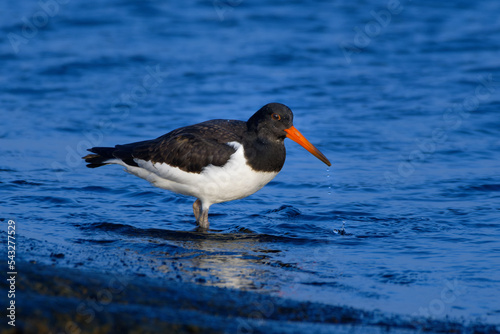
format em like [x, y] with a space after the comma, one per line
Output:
[276, 117]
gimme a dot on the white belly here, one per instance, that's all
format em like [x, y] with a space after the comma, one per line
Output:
[214, 184]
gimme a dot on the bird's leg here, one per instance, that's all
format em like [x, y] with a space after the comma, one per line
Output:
[201, 214]
[202, 219]
[197, 209]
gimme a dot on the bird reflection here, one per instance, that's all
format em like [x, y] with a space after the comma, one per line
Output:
[231, 260]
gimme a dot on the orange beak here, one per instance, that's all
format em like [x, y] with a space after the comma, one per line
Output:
[297, 137]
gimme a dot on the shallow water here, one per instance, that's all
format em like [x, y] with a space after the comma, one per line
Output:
[406, 221]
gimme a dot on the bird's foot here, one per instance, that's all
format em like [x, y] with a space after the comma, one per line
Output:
[203, 225]
[203, 220]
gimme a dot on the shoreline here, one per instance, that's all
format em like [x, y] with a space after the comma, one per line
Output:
[66, 300]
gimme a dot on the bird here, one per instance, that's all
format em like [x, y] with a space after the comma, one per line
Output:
[214, 161]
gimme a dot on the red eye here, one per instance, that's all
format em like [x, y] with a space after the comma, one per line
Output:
[276, 117]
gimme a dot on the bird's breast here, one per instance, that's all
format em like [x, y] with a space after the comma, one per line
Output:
[236, 179]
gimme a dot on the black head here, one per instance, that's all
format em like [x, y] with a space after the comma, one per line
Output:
[271, 121]
[274, 122]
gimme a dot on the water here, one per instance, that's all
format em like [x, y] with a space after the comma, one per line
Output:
[404, 222]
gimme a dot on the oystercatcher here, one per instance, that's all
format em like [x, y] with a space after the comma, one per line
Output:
[214, 161]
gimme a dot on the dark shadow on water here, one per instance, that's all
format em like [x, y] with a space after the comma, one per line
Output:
[195, 234]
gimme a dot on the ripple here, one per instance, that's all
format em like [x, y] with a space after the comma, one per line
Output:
[26, 183]
[43, 199]
[130, 231]
[485, 187]
[286, 211]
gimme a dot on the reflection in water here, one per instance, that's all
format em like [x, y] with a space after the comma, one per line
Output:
[231, 260]
[231, 264]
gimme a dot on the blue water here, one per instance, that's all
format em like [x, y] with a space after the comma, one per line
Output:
[404, 100]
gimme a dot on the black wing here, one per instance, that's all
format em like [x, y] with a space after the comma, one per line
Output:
[189, 148]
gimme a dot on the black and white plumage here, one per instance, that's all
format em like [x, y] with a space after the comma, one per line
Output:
[215, 161]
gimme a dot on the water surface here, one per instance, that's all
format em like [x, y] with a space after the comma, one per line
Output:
[404, 222]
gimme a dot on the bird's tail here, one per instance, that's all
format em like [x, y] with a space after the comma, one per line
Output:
[100, 157]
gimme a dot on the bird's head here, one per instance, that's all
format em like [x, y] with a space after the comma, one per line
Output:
[274, 121]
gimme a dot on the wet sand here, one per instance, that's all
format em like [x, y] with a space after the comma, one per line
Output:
[52, 299]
